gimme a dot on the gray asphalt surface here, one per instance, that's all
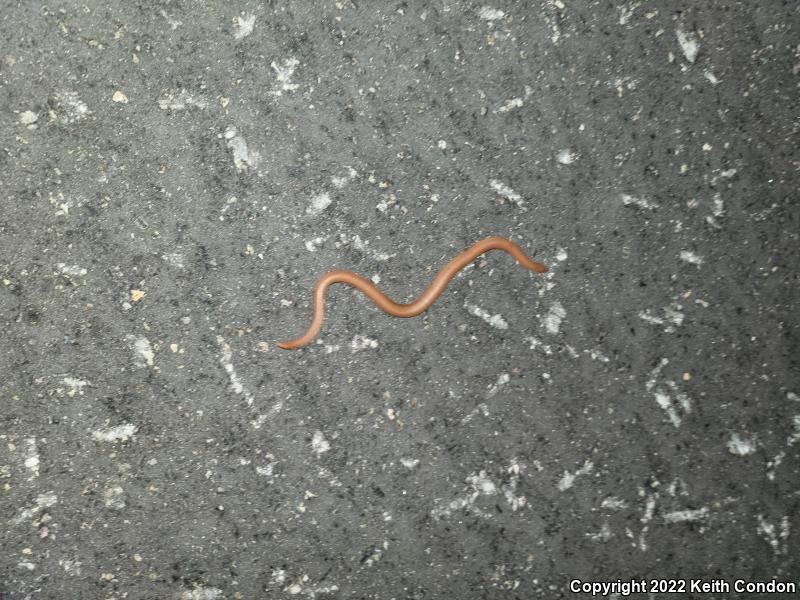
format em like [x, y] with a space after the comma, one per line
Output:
[176, 175]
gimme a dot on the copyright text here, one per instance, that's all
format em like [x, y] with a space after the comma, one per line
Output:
[680, 586]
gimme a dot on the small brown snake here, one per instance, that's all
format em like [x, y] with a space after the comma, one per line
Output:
[421, 304]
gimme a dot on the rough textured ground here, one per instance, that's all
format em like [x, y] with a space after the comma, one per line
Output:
[176, 175]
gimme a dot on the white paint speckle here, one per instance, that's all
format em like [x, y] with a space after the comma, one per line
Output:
[690, 257]
[201, 593]
[482, 483]
[31, 458]
[120, 433]
[28, 117]
[377, 554]
[142, 346]
[283, 76]
[774, 464]
[341, 181]
[71, 567]
[510, 105]
[267, 470]
[75, 385]
[795, 436]
[566, 157]
[409, 463]
[174, 259]
[672, 317]
[319, 444]
[71, 270]
[718, 204]
[70, 106]
[502, 380]
[262, 418]
[688, 43]
[673, 314]
[479, 484]
[480, 409]
[42, 501]
[243, 157]
[683, 516]
[173, 23]
[740, 446]
[644, 203]
[561, 255]
[497, 321]
[655, 373]
[506, 192]
[613, 503]
[114, 497]
[181, 100]
[537, 343]
[143, 351]
[313, 245]
[244, 26]
[362, 342]
[665, 402]
[568, 479]
[362, 246]
[226, 359]
[626, 12]
[776, 537]
[514, 471]
[673, 408]
[649, 508]
[318, 204]
[552, 320]
[487, 13]
[278, 577]
[604, 535]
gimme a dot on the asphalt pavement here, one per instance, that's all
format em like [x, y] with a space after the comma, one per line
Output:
[175, 176]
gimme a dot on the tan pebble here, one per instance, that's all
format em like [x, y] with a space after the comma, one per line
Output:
[687, 376]
[137, 295]
[119, 97]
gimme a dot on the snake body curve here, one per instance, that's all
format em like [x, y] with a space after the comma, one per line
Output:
[421, 304]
